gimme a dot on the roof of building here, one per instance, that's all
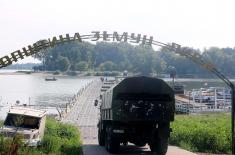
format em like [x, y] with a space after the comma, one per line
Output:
[27, 111]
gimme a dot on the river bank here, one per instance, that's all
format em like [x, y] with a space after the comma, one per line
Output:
[30, 72]
[104, 73]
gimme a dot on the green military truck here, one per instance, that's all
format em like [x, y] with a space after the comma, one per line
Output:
[136, 110]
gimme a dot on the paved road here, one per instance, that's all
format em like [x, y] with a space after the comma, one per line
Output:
[94, 149]
[85, 115]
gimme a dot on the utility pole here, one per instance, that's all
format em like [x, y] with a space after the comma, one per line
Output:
[173, 75]
[29, 101]
[188, 101]
[201, 99]
[215, 107]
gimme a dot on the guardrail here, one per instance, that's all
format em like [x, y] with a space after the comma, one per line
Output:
[73, 101]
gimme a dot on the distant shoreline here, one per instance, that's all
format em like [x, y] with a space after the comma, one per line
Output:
[64, 74]
[29, 73]
[44, 74]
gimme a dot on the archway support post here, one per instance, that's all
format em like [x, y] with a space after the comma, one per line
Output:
[233, 116]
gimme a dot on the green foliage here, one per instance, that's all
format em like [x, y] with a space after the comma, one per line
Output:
[61, 138]
[58, 139]
[123, 56]
[223, 58]
[89, 74]
[203, 133]
[81, 66]
[11, 145]
[57, 72]
[107, 73]
[102, 56]
[63, 63]
[71, 73]
[107, 66]
[1, 123]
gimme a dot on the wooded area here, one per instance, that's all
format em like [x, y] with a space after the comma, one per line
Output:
[103, 56]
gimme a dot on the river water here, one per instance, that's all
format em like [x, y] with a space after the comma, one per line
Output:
[34, 90]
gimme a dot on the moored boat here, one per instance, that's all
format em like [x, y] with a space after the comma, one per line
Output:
[50, 79]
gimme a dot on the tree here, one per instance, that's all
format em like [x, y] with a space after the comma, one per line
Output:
[107, 66]
[142, 58]
[124, 56]
[63, 63]
[81, 66]
[159, 65]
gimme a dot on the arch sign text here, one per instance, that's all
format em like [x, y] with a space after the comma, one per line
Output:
[94, 36]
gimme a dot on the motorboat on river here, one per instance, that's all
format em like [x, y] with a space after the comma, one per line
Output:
[50, 79]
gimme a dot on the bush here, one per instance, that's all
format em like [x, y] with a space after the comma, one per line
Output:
[28, 72]
[108, 73]
[60, 138]
[50, 144]
[82, 66]
[89, 74]
[11, 145]
[56, 73]
[72, 73]
[1, 123]
[203, 133]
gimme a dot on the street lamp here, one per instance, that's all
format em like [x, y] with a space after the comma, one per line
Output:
[172, 71]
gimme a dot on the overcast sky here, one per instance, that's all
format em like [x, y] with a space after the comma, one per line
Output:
[194, 23]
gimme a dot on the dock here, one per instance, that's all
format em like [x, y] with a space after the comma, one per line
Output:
[185, 106]
[84, 114]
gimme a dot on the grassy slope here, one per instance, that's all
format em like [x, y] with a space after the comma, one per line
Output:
[202, 133]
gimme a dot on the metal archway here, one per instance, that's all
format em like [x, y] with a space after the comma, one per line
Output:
[191, 54]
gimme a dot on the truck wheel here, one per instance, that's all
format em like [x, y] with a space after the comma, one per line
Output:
[101, 139]
[112, 144]
[159, 146]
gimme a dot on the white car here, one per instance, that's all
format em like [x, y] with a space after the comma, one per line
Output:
[26, 121]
